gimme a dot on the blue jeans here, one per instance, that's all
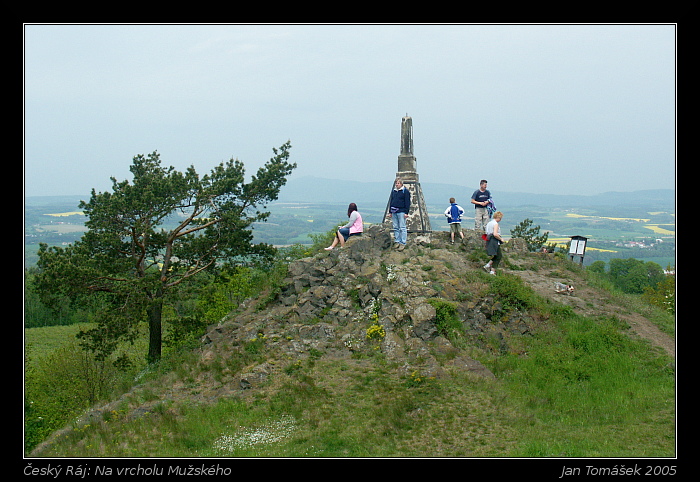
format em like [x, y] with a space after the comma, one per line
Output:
[398, 221]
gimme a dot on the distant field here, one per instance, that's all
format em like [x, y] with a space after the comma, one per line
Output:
[659, 230]
[573, 215]
[646, 223]
[62, 228]
[60, 222]
[61, 215]
[562, 242]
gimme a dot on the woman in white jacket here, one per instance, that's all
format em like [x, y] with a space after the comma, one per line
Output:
[493, 242]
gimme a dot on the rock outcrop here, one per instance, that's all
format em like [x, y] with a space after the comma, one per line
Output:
[367, 296]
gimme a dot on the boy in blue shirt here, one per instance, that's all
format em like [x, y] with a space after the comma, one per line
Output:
[454, 219]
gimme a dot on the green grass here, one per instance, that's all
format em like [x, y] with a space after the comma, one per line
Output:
[589, 390]
[583, 389]
[366, 414]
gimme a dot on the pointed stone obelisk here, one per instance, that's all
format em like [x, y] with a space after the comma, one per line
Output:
[418, 220]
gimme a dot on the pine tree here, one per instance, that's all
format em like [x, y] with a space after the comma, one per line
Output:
[530, 234]
[153, 233]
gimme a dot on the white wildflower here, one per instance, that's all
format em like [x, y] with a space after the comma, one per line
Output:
[269, 433]
[391, 272]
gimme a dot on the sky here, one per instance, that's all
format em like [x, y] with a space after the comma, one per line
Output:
[545, 108]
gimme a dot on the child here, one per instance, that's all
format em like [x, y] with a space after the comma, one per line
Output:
[454, 219]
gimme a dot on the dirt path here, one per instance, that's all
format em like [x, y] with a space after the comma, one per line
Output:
[589, 302]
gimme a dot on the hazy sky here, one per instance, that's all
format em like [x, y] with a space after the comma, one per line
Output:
[578, 109]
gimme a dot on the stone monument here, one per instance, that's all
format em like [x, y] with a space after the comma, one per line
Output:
[418, 221]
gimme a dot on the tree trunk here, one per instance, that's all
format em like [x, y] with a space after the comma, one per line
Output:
[155, 312]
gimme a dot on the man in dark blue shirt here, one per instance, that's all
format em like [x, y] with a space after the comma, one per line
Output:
[480, 199]
[399, 207]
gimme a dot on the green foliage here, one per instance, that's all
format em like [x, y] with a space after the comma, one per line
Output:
[447, 320]
[61, 385]
[228, 289]
[272, 284]
[512, 292]
[630, 275]
[531, 234]
[185, 330]
[662, 295]
[134, 257]
[597, 267]
[38, 313]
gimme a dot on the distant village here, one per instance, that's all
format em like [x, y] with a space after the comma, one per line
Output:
[639, 244]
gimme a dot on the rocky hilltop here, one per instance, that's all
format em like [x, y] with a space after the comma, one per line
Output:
[367, 296]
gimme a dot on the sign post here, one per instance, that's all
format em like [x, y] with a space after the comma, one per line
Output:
[577, 248]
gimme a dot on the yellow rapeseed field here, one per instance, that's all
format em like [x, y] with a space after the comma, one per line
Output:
[572, 215]
[654, 227]
[59, 215]
[659, 230]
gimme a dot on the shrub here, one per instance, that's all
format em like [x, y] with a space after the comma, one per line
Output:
[61, 385]
[446, 318]
[512, 292]
[663, 295]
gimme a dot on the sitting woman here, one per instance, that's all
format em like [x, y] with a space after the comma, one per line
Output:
[352, 228]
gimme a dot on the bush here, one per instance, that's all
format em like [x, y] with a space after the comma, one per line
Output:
[512, 292]
[60, 386]
[663, 295]
[446, 318]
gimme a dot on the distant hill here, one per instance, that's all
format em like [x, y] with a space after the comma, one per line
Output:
[312, 189]
[38, 201]
[315, 190]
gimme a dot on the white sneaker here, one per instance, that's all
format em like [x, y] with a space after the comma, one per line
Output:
[492, 272]
[328, 248]
[487, 267]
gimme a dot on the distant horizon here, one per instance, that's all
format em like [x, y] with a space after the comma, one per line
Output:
[429, 183]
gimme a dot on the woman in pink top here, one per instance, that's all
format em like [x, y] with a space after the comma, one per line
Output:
[352, 228]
